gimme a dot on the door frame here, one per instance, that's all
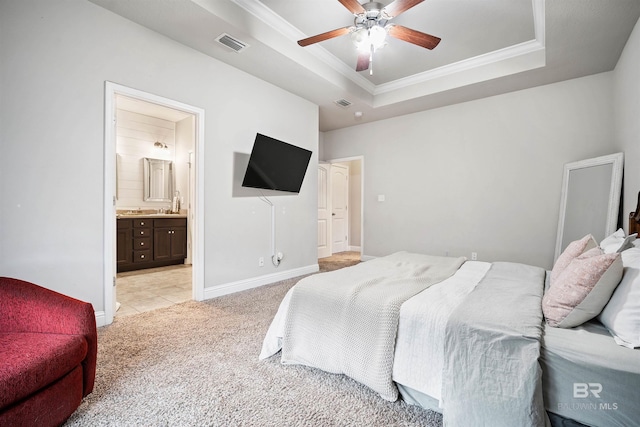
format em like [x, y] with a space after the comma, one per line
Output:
[196, 214]
[362, 188]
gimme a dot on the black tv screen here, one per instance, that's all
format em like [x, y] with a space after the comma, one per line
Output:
[276, 165]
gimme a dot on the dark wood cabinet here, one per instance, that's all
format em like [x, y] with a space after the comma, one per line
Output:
[124, 250]
[150, 242]
[169, 239]
[142, 240]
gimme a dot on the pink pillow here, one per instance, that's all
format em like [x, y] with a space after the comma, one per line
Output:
[583, 288]
[573, 250]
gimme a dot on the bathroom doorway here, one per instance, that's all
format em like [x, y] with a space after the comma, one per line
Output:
[148, 133]
[144, 127]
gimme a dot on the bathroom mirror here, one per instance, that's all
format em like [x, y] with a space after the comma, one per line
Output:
[158, 180]
[590, 199]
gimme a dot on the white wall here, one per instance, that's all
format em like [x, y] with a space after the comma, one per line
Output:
[627, 118]
[481, 176]
[56, 57]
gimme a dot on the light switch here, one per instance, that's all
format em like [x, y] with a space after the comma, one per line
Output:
[381, 197]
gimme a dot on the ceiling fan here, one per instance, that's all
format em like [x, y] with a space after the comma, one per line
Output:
[371, 26]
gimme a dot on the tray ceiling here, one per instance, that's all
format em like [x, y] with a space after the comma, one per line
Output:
[488, 47]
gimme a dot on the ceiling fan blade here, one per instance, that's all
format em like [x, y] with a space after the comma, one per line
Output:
[363, 61]
[412, 36]
[353, 6]
[324, 36]
[396, 7]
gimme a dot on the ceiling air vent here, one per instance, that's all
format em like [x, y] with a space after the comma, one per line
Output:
[343, 103]
[232, 43]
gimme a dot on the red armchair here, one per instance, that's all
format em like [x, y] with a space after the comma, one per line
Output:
[48, 349]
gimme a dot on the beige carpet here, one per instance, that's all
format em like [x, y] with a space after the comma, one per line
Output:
[196, 364]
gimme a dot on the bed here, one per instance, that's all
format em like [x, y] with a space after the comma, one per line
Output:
[473, 340]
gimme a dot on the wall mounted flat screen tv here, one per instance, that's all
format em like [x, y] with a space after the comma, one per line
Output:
[276, 165]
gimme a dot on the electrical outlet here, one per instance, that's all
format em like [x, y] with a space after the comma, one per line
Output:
[474, 256]
[261, 262]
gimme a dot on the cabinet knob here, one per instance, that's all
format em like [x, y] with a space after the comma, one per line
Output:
[141, 222]
[142, 232]
[141, 243]
[141, 256]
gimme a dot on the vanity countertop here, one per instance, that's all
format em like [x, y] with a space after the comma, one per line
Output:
[149, 213]
[153, 215]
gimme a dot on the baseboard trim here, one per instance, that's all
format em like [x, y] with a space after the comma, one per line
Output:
[254, 282]
[355, 248]
[100, 319]
[364, 257]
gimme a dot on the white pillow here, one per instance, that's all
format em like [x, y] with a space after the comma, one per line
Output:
[621, 315]
[617, 242]
[582, 289]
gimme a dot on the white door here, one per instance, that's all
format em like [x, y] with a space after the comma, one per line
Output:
[339, 208]
[324, 212]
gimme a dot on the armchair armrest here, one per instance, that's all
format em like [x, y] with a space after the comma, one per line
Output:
[26, 307]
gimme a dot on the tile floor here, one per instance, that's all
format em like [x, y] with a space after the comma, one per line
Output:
[149, 289]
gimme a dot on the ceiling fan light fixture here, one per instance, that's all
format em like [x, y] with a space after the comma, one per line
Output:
[370, 28]
[377, 36]
[365, 38]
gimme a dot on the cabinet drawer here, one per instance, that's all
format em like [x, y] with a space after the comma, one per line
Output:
[142, 243]
[170, 222]
[142, 232]
[142, 256]
[142, 222]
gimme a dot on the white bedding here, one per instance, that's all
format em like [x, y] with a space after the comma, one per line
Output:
[419, 354]
[465, 301]
[346, 321]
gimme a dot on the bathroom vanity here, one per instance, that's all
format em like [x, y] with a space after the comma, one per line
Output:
[146, 241]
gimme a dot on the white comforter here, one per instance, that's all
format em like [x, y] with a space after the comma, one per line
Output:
[419, 354]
